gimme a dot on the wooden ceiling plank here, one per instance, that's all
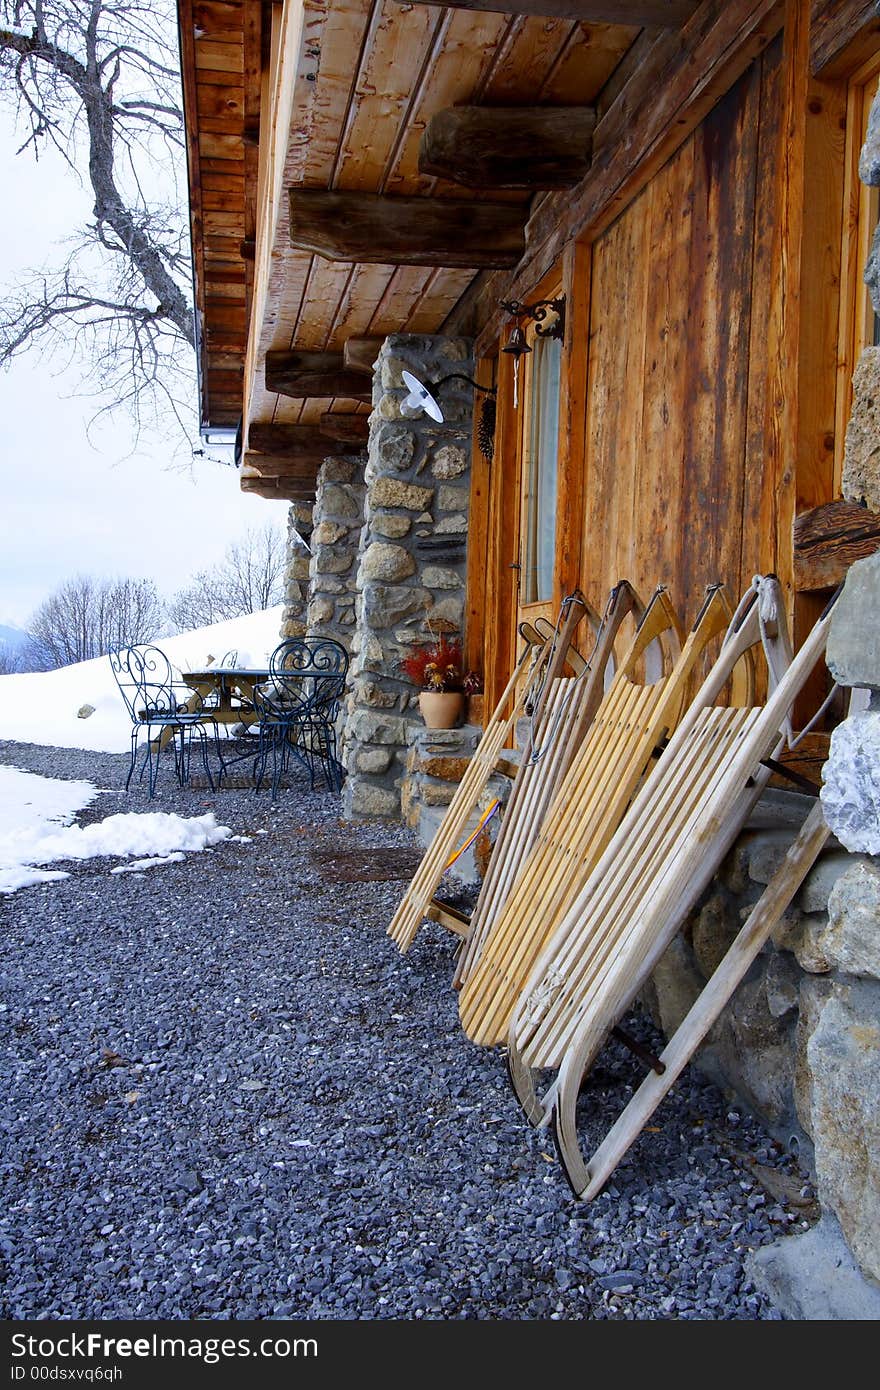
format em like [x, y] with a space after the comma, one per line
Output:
[405, 291]
[405, 231]
[365, 290]
[669, 13]
[339, 39]
[586, 62]
[394, 56]
[509, 147]
[440, 298]
[459, 65]
[324, 294]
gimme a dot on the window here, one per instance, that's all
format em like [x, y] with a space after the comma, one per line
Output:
[859, 324]
[540, 471]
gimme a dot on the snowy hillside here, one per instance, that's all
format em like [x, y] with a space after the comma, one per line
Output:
[42, 707]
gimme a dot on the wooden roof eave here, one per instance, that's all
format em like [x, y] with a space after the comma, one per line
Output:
[289, 114]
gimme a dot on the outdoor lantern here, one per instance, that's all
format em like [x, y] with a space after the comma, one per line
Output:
[422, 397]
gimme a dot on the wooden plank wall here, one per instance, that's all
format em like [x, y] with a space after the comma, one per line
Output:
[676, 420]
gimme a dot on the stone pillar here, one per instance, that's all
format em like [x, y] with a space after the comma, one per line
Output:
[296, 582]
[338, 516]
[412, 558]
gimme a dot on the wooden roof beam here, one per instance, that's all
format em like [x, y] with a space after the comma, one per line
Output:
[279, 489]
[360, 353]
[369, 228]
[320, 374]
[509, 146]
[670, 14]
[266, 438]
[345, 429]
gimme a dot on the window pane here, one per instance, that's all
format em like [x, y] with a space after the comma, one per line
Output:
[540, 528]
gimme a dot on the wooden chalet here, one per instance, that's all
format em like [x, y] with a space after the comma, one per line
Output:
[679, 176]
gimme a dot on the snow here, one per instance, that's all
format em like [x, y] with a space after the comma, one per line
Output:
[42, 708]
[36, 827]
[37, 814]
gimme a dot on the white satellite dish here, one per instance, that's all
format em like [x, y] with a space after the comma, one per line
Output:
[420, 398]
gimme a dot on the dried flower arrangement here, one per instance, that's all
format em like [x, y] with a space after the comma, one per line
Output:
[437, 666]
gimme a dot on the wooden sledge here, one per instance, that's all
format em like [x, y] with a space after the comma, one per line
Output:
[628, 727]
[663, 855]
[568, 712]
[540, 663]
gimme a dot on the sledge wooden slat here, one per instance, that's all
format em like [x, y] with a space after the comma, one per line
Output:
[549, 658]
[411, 911]
[570, 711]
[662, 857]
[592, 798]
[706, 1009]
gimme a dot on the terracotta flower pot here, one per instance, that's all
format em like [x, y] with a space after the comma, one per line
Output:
[441, 709]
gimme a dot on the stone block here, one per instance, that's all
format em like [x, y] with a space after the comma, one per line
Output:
[714, 928]
[861, 455]
[372, 760]
[814, 994]
[756, 1052]
[371, 726]
[299, 568]
[387, 604]
[767, 853]
[675, 986]
[446, 769]
[782, 985]
[451, 525]
[339, 470]
[435, 577]
[869, 156]
[850, 792]
[391, 492]
[436, 793]
[391, 524]
[853, 650]
[370, 693]
[369, 800]
[387, 407]
[328, 584]
[812, 1277]
[387, 562]
[447, 610]
[328, 533]
[807, 947]
[453, 499]
[851, 939]
[328, 560]
[392, 448]
[449, 462]
[820, 881]
[843, 1061]
[343, 502]
[321, 610]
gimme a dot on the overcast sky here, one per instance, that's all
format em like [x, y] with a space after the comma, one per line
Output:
[67, 507]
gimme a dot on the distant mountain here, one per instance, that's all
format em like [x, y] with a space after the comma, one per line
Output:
[12, 638]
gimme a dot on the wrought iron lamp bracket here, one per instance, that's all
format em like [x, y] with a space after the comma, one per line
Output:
[540, 312]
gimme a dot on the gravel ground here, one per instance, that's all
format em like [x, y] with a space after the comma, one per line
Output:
[228, 1096]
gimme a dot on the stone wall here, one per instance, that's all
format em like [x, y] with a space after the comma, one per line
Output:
[799, 1042]
[338, 517]
[296, 584]
[411, 561]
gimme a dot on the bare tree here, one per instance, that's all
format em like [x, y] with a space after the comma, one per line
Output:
[87, 617]
[99, 81]
[248, 579]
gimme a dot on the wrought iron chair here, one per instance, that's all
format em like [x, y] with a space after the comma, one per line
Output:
[297, 709]
[164, 709]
